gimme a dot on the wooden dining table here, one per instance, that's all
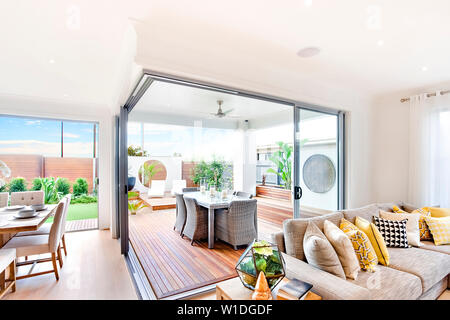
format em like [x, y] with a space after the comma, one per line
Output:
[212, 204]
[9, 225]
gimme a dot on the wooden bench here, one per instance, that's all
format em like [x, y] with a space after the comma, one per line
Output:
[7, 261]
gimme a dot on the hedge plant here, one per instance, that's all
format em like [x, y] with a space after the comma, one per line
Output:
[80, 187]
[18, 184]
[63, 186]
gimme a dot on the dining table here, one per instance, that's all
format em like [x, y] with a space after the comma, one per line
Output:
[212, 203]
[10, 225]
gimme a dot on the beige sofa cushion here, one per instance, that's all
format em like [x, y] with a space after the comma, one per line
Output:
[344, 249]
[320, 253]
[430, 266]
[390, 284]
[429, 245]
[294, 231]
[412, 225]
[366, 212]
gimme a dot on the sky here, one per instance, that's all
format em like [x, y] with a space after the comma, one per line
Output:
[38, 136]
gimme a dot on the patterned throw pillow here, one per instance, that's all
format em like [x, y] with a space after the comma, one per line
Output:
[423, 227]
[394, 232]
[363, 248]
[440, 228]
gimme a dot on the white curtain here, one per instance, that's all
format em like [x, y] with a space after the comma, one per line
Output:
[429, 151]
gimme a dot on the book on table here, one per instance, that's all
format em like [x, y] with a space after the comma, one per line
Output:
[295, 289]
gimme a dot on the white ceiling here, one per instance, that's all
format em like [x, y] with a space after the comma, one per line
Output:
[180, 100]
[255, 42]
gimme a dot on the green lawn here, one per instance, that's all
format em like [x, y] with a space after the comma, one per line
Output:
[81, 211]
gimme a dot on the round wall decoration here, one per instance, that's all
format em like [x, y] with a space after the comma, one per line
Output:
[151, 170]
[319, 173]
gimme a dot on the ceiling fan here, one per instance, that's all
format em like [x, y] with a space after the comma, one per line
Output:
[220, 113]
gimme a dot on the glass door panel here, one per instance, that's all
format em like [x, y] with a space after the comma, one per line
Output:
[317, 161]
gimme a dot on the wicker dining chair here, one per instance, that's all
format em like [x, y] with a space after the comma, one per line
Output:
[180, 213]
[238, 225]
[196, 227]
[243, 194]
[190, 189]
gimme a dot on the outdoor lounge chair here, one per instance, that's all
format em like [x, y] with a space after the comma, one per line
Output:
[157, 189]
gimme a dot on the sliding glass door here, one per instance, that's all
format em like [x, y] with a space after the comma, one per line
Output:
[318, 161]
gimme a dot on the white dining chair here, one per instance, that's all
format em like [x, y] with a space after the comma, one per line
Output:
[27, 198]
[45, 229]
[177, 186]
[4, 196]
[41, 244]
[157, 189]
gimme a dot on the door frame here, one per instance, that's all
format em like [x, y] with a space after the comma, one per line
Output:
[144, 83]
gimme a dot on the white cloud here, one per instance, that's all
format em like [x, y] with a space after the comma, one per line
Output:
[70, 135]
[53, 149]
[32, 122]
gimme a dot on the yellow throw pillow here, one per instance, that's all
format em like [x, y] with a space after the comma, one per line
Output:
[439, 212]
[440, 229]
[376, 239]
[424, 212]
[361, 243]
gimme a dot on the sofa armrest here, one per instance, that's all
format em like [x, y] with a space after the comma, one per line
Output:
[328, 286]
[278, 239]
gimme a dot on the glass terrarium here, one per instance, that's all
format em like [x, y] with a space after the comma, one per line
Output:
[261, 256]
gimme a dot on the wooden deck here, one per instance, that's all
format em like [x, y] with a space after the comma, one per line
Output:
[159, 203]
[173, 266]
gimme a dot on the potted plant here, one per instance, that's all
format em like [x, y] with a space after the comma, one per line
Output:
[135, 205]
[147, 171]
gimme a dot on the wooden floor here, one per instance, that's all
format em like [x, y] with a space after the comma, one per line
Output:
[173, 266]
[93, 269]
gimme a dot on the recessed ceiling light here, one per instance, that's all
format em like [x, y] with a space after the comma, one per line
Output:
[51, 61]
[308, 52]
[380, 43]
[308, 3]
[65, 95]
[424, 68]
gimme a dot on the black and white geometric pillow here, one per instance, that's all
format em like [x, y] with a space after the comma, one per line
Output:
[393, 232]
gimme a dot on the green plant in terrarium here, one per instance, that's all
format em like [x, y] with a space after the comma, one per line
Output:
[261, 256]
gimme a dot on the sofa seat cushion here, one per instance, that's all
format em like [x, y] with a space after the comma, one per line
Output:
[366, 212]
[294, 232]
[430, 266]
[390, 284]
[429, 245]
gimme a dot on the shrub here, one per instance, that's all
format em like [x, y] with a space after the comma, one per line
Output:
[37, 184]
[51, 195]
[80, 187]
[18, 184]
[84, 199]
[63, 186]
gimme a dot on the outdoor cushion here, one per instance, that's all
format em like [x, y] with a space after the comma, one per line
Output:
[366, 212]
[429, 266]
[294, 231]
[429, 245]
[390, 284]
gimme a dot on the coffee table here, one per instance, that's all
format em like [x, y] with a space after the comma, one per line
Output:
[233, 289]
